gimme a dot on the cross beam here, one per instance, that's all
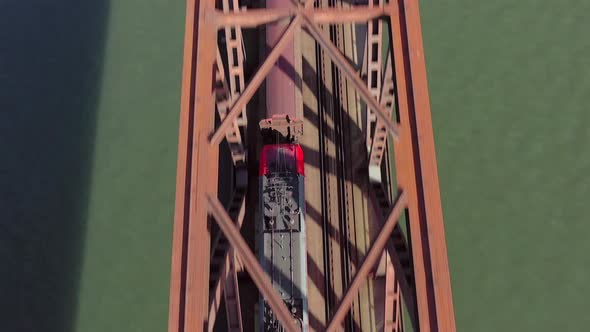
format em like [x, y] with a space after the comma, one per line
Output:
[253, 18]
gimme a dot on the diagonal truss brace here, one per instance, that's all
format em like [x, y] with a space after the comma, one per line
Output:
[257, 80]
[202, 151]
[226, 282]
[338, 58]
[393, 311]
[235, 57]
[371, 258]
[351, 74]
[399, 254]
[251, 263]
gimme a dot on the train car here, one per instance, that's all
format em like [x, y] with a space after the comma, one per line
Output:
[282, 249]
[281, 229]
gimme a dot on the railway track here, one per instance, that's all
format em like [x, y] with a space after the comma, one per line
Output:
[344, 209]
[334, 205]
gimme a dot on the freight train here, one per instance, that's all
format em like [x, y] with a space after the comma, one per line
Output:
[282, 248]
[281, 229]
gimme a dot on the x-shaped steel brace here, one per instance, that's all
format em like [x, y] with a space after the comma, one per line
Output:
[261, 280]
[304, 15]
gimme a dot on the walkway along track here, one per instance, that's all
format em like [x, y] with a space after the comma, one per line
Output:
[415, 162]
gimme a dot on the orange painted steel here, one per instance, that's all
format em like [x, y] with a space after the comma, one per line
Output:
[224, 278]
[398, 250]
[340, 60]
[223, 98]
[369, 261]
[235, 57]
[254, 84]
[256, 17]
[417, 173]
[387, 98]
[393, 310]
[188, 305]
[196, 185]
[251, 263]
[374, 67]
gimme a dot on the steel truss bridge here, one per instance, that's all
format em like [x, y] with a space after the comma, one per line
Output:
[369, 143]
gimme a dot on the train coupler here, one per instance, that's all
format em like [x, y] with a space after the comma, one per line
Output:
[281, 129]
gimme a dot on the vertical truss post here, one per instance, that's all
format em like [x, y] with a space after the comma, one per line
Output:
[235, 58]
[417, 172]
[189, 280]
[223, 98]
[392, 301]
[373, 60]
[379, 139]
[222, 268]
[231, 294]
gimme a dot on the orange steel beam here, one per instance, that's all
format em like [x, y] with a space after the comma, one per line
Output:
[252, 18]
[235, 57]
[416, 172]
[392, 317]
[231, 295]
[227, 278]
[373, 255]
[340, 60]
[353, 14]
[428, 168]
[404, 166]
[190, 250]
[256, 17]
[405, 285]
[386, 97]
[374, 68]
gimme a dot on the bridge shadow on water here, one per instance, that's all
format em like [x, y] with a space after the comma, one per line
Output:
[51, 56]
